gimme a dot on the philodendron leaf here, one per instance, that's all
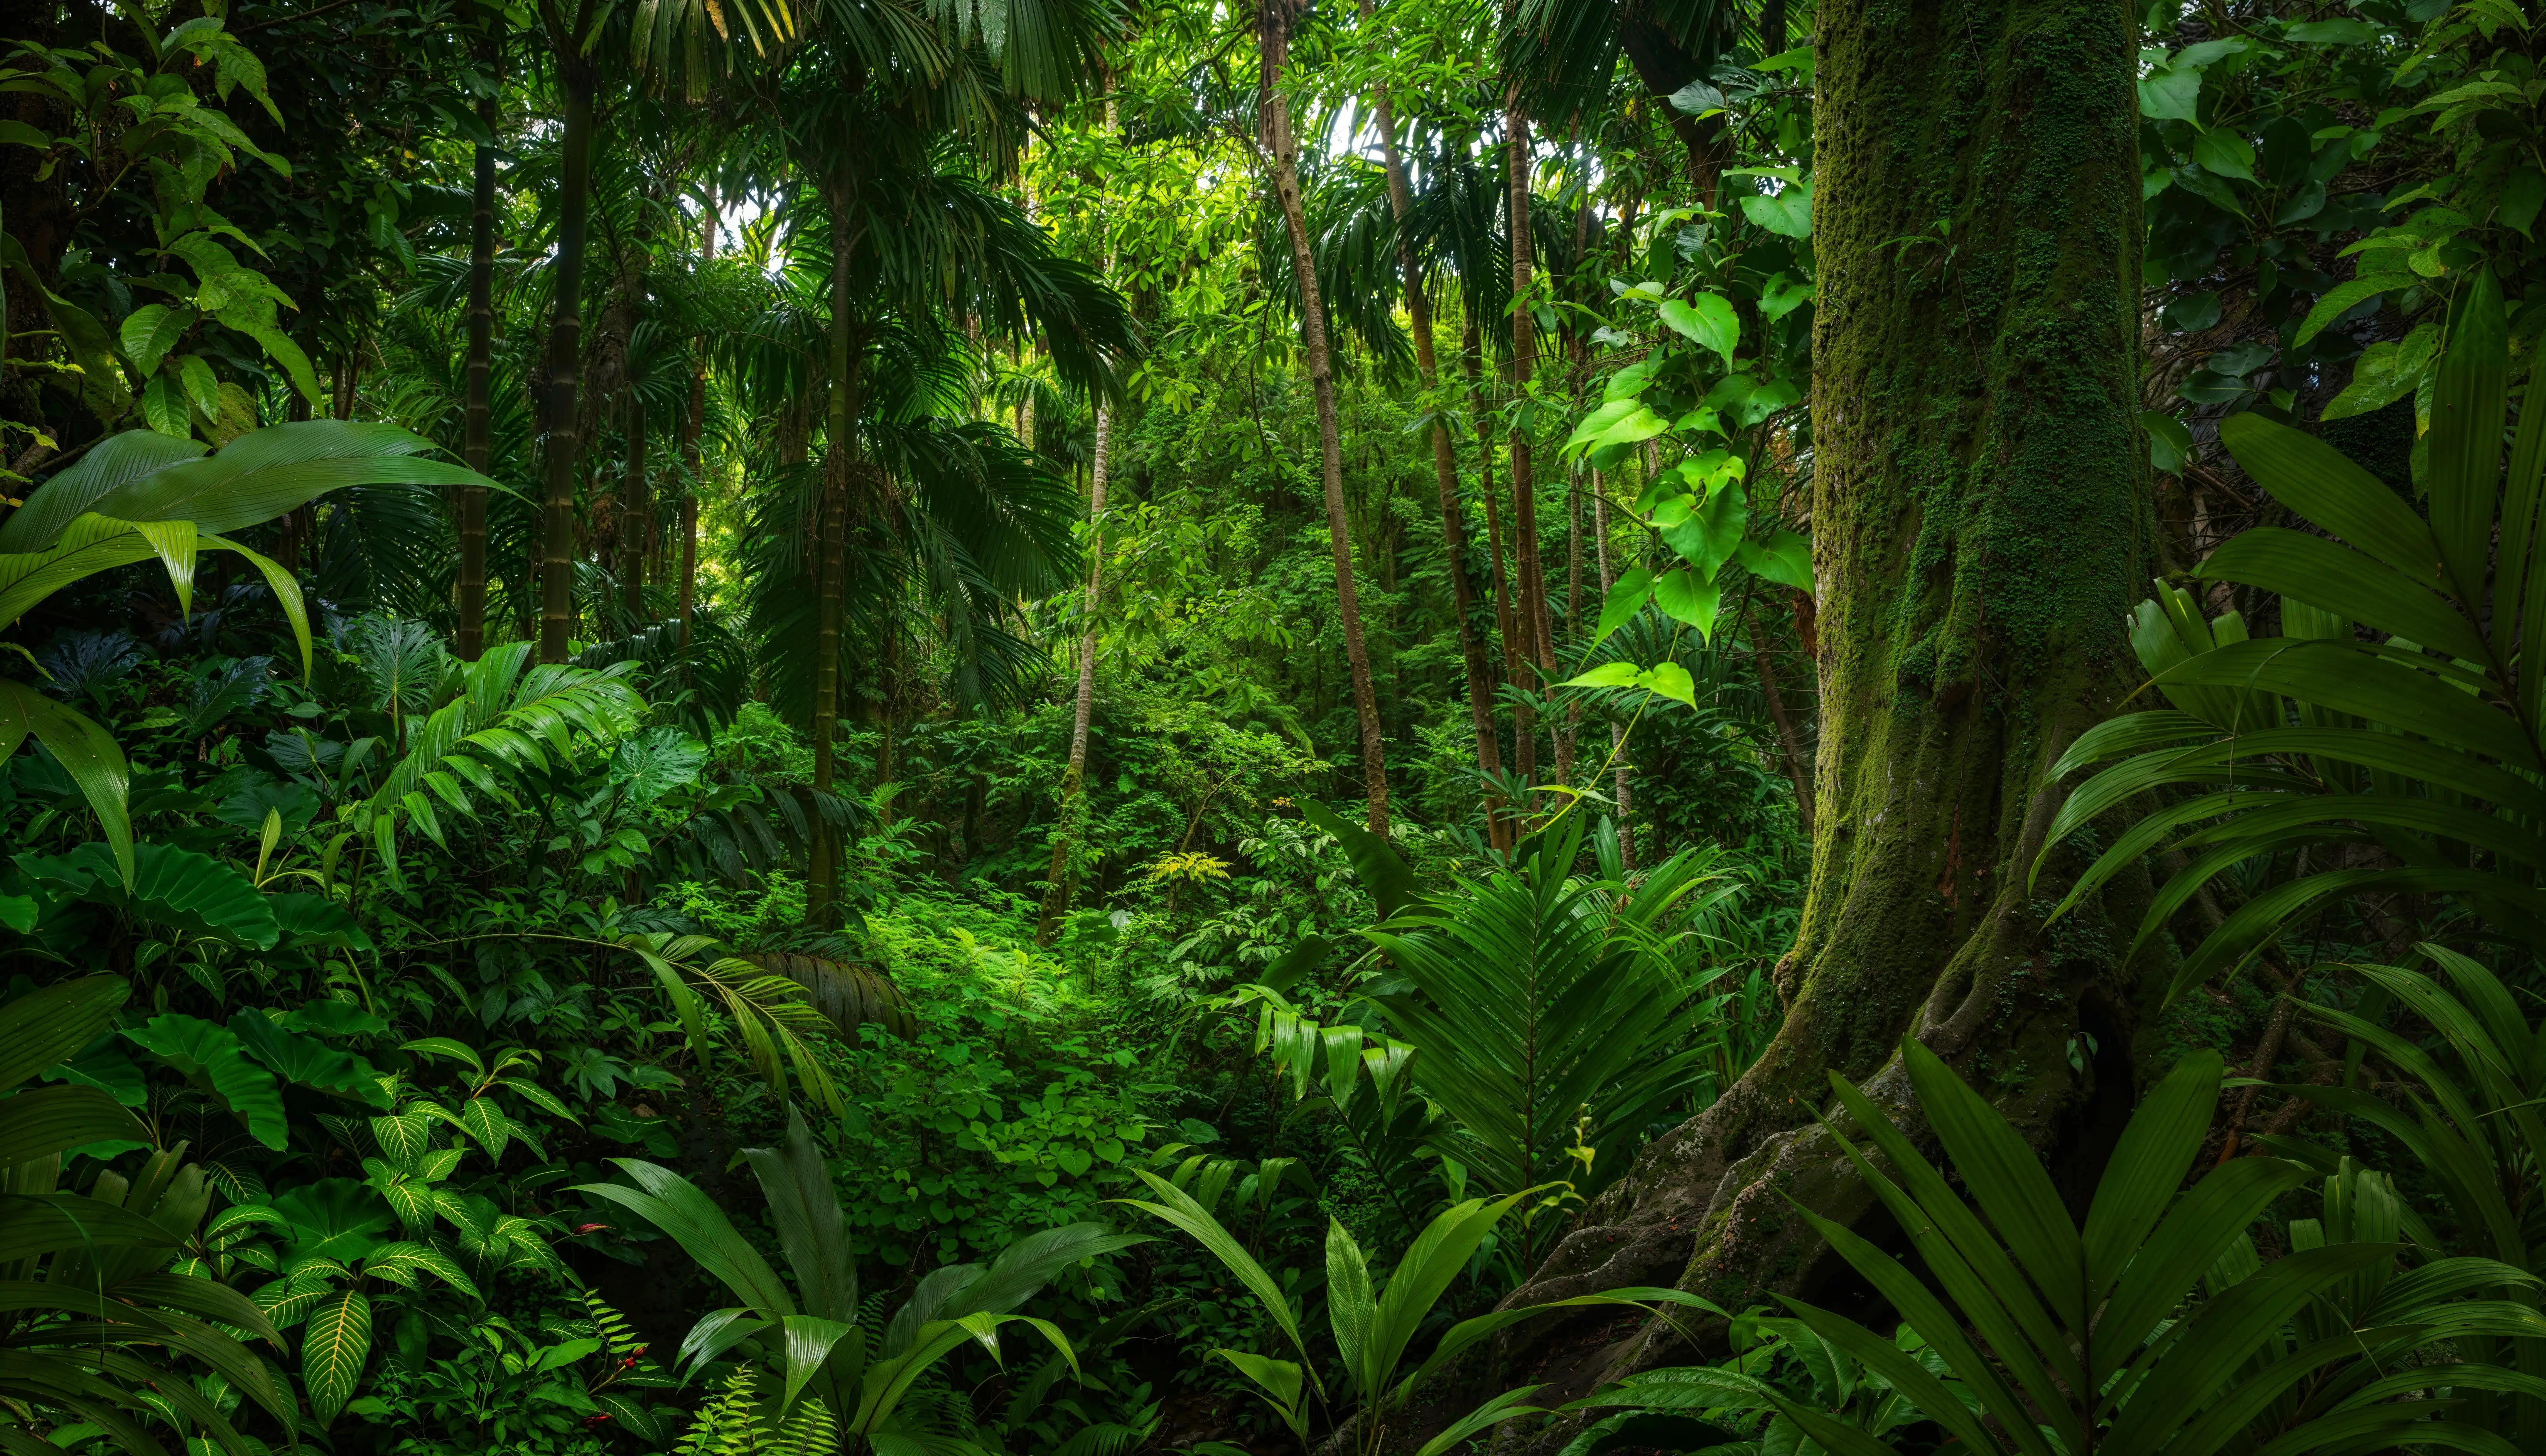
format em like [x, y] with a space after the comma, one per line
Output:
[1708, 321]
[1670, 680]
[172, 887]
[1626, 598]
[1606, 674]
[211, 1057]
[309, 1061]
[1784, 558]
[1686, 597]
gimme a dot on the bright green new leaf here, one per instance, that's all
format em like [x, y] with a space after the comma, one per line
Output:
[1708, 321]
[1670, 680]
[1788, 214]
[1685, 597]
[1625, 600]
[1605, 675]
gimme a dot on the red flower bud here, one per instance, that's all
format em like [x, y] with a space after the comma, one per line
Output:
[583, 1229]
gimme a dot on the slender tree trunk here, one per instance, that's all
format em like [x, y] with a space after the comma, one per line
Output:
[1445, 467]
[635, 515]
[1074, 778]
[1274, 110]
[1617, 735]
[1507, 616]
[1790, 743]
[840, 426]
[1534, 624]
[475, 448]
[1980, 526]
[1564, 746]
[691, 464]
[565, 362]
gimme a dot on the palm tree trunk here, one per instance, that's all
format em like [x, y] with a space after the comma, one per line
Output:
[1506, 617]
[1445, 466]
[1074, 778]
[474, 445]
[1617, 735]
[840, 430]
[692, 424]
[636, 514]
[1535, 649]
[565, 363]
[1274, 111]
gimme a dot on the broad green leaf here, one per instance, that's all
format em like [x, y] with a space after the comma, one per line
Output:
[1178, 1209]
[87, 751]
[2171, 94]
[2006, 1180]
[1708, 321]
[2347, 296]
[1685, 597]
[163, 404]
[2226, 155]
[309, 1061]
[43, 1029]
[1635, 586]
[1707, 538]
[209, 1057]
[2463, 472]
[1603, 675]
[172, 887]
[1784, 558]
[148, 333]
[2156, 1149]
[2309, 568]
[1670, 680]
[335, 1345]
[56, 1119]
[2169, 442]
[335, 1219]
[2314, 479]
[1598, 420]
[2386, 372]
[1788, 214]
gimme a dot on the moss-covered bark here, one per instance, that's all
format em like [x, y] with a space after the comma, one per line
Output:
[1978, 527]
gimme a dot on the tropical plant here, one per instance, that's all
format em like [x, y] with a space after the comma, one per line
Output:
[2471, 1124]
[1375, 1323]
[501, 713]
[2395, 721]
[2070, 1337]
[1547, 1008]
[94, 1300]
[143, 494]
[819, 1339]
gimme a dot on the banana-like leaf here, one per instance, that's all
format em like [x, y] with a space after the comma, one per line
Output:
[169, 886]
[87, 751]
[56, 1119]
[2421, 741]
[211, 1057]
[847, 994]
[46, 1027]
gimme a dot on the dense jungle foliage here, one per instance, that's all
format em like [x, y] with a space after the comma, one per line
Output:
[959, 727]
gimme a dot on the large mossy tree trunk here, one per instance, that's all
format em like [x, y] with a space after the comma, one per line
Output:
[1978, 530]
